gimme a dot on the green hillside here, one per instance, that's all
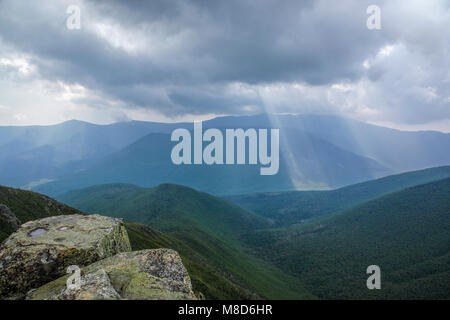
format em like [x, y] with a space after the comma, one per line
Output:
[166, 207]
[204, 227]
[293, 207]
[218, 270]
[28, 206]
[206, 278]
[405, 233]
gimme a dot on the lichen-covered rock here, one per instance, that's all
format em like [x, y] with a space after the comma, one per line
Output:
[8, 217]
[93, 286]
[40, 251]
[157, 274]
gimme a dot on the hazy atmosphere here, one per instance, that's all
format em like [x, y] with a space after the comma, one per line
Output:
[253, 152]
[185, 60]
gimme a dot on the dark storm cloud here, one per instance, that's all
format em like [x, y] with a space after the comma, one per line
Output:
[263, 41]
[183, 56]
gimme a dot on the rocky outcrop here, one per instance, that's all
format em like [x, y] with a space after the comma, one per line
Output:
[143, 275]
[8, 217]
[40, 251]
[93, 286]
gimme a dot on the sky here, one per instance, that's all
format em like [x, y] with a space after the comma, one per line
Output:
[184, 60]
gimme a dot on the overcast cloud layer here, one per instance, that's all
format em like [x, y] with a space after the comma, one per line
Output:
[183, 60]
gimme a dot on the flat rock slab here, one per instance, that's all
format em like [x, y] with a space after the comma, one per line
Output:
[157, 274]
[40, 251]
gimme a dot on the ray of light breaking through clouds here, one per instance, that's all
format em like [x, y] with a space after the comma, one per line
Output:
[183, 60]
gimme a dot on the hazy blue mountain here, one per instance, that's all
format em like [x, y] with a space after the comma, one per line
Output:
[77, 139]
[395, 149]
[31, 153]
[36, 154]
[287, 208]
[306, 163]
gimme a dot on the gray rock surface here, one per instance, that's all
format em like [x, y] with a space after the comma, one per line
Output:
[157, 274]
[93, 286]
[40, 251]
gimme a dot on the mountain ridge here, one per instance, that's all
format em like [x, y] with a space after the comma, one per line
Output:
[206, 225]
[295, 206]
[218, 270]
[405, 233]
[38, 155]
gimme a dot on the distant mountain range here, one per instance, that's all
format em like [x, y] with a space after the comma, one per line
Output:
[316, 153]
[309, 163]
